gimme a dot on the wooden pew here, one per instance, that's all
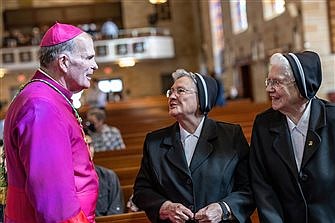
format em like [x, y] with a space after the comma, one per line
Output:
[119, 162]
[127, 175]
[140, 217]
[134, 139]
[138, 117]
[126, 171]
[127, 192]
[134, 217]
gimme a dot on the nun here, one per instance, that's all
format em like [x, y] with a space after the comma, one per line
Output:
[195, 170]
[292, 157]
[51, 177]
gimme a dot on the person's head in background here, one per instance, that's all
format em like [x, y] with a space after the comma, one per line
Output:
[67, 55]
[192, 95]
[88, 140]
[293, 80]
[96, 119]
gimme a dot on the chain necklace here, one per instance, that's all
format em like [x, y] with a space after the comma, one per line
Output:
[79, 119]
[3, 168]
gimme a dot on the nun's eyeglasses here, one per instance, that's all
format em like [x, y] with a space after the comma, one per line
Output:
[178, 92]
[277, 83]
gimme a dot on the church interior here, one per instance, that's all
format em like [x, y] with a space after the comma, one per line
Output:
[232, 40]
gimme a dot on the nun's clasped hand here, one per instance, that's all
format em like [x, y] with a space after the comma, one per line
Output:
[175, 212]
[209, 214]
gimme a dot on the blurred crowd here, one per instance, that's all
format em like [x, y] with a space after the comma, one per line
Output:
[18, 37]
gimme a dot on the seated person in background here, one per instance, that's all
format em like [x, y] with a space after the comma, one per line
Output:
[104, 137]
[109, 29]
[110, 200]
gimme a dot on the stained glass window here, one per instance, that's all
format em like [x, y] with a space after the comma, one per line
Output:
[273, 8]
[216, 17]
[238, 9]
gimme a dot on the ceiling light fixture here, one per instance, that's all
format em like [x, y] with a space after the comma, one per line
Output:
[2, 72]
[157, 1]
[127, 62]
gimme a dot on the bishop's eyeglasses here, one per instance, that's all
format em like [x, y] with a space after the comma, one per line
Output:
[179, 91]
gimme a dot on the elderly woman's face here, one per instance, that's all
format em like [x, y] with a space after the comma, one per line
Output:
[282, 90]
[183, 101]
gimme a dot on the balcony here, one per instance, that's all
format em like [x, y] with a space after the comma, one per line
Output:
[135, 44]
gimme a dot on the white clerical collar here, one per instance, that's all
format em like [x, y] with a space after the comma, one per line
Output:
[45, 73]
[184, 134]
[302, 124]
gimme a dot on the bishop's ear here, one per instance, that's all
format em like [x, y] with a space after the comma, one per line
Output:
[63, 62]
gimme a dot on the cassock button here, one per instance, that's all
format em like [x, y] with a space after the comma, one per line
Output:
[303, 176]
[310, 143]
[188, 181]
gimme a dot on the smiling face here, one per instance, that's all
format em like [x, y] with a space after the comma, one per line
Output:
[284, 95]
[80, 64]
[186, 102]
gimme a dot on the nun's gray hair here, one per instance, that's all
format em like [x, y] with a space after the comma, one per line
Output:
[183, 73]
[278, 59]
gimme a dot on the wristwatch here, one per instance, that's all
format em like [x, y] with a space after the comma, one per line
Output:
[225, 211]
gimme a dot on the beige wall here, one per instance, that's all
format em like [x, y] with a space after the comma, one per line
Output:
[135, 13]
[289, 32]
[316, 33]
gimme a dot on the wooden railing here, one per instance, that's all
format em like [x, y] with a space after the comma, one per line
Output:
[134, 217]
